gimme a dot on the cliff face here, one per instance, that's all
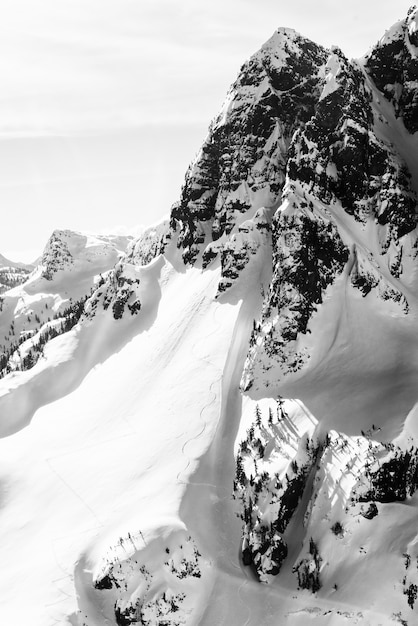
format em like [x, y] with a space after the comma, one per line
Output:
[393, 66]
[349, 207]
[242, 163]
[304, 135]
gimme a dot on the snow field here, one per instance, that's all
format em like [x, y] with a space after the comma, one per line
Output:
[130, 444]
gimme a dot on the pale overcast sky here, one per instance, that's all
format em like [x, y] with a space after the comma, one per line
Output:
[105, 102]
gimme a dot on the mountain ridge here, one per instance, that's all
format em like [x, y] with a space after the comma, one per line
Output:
[13, 273]
[225, 431]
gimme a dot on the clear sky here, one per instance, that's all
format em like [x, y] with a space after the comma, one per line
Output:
[105, 102]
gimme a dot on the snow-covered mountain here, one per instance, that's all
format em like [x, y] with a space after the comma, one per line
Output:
[12, 273]
[222, 428]
[51, 300]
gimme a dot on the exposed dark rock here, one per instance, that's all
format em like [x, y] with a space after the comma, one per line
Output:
[56, 255]
[245, 151]
[104, 583]
[371, 511]
[308, 569]
[394, 69]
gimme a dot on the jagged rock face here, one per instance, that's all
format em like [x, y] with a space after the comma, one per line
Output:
[393, 65]
[339, 158]
[242, 163]
[119, 292]
[241, 253]
[299, 135]
[335, 162]
[308, 254]
[148, 245]
[67, 250]
[56, 255]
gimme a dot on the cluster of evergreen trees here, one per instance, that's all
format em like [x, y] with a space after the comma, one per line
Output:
[11, 277]
[395, 479]
[410, 589]
[68, 319]
[258, 489]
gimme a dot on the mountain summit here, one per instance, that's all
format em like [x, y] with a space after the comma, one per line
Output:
[217, 423]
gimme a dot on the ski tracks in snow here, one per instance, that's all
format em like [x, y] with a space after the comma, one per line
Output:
[182, 475]
[215, 525]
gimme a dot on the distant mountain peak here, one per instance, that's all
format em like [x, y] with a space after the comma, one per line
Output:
[66, 248]
[13, 273]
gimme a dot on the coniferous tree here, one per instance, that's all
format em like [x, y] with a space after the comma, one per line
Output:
[257, 416]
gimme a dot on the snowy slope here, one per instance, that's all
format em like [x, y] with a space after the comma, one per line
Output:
[224, 429]
[52, 297]
[12, 273]
[136, 437]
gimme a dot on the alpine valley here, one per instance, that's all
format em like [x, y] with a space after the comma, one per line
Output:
[216, 423]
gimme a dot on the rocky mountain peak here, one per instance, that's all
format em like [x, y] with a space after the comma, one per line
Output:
[302, 134]
[412, 26]
[241, 165]
[393, 66]
[56, 255]
[66, 249]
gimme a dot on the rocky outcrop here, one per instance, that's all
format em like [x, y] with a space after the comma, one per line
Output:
[308, 254]
[152, 592]
[308, 569]
[118, 292]
[247, 250]
[56, 255]
[341, 180]
[338, 157]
